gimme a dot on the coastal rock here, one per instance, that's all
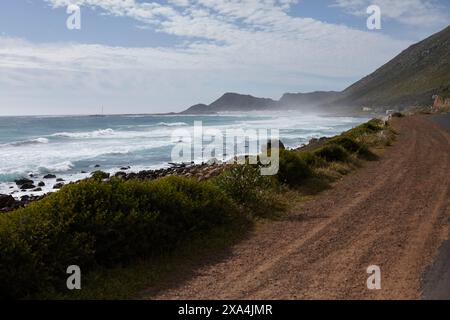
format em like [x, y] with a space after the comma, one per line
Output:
[22, 181]
[49, 176]
[59, 180]
[58, 185]
[121, 175]
[213, 161]
[28, 185]
[441, 102]
[6, 201]
[37, 189]
[41, 184]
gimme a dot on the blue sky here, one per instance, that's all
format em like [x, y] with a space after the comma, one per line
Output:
[158, 56]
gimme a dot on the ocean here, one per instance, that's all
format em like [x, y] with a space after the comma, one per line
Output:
[71, 147]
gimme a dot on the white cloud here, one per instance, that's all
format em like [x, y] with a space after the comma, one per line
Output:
[421, 13]
[240, 45]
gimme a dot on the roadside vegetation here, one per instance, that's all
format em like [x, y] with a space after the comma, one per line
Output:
[129, 235]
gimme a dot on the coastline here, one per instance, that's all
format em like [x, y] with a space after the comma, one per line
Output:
[37, 185]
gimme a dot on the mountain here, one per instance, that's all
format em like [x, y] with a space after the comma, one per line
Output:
[411, 78]
[233, 102]
[311, 99]
[240, 102]
[198, 109]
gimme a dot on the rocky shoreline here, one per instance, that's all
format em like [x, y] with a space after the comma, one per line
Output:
[202, 171]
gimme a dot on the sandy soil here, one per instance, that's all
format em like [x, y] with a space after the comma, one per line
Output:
[393, 213]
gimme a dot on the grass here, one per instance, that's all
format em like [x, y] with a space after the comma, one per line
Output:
[131, 281]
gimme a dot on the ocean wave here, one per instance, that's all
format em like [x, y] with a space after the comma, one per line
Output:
[57, 167]
[10, 176]
[172, 124]
[90, 134]
[27, 142]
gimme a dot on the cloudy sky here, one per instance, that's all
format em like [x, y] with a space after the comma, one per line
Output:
[135, 56]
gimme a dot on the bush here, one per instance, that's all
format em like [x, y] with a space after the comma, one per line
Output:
[102, 223]
[241, 183]
[100, 175]
[294, 168]
[370, 127]
[349, 144]
[332, 152]
[353, 146]
[248, 188]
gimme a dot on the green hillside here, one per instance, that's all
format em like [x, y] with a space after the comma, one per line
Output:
[411, 78]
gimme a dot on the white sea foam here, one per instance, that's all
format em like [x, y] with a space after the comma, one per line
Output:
[91, 134]
[26, 142]
[57, 167]
[172, 124]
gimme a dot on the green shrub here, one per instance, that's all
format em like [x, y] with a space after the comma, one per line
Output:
[370, 127]
[353, 146]
[102, 223]
[332, 152]
[248, 188]
[311, 159]
[100, 175]
[293, 167]
[349, 144]
[241, 183]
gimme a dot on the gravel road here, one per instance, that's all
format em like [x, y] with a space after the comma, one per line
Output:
[393, 213]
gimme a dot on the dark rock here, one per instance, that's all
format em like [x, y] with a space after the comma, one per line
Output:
[25, 198]
[97, 166]
[83, 172]
[121, 175]
[6, 201]
[37, 189]
[22, 181]
[58, 185]
[28, 186]
[125, 168]
[60, 180]
[49, 176]
[41, 184]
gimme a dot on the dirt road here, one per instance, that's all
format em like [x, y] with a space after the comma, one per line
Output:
[392, 213]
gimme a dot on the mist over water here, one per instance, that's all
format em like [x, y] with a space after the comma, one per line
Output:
[67, 145]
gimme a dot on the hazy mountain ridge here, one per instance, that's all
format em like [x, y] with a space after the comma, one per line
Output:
[409, 79]
[239, 102]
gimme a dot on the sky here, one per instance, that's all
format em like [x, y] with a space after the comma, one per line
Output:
[133, 56]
